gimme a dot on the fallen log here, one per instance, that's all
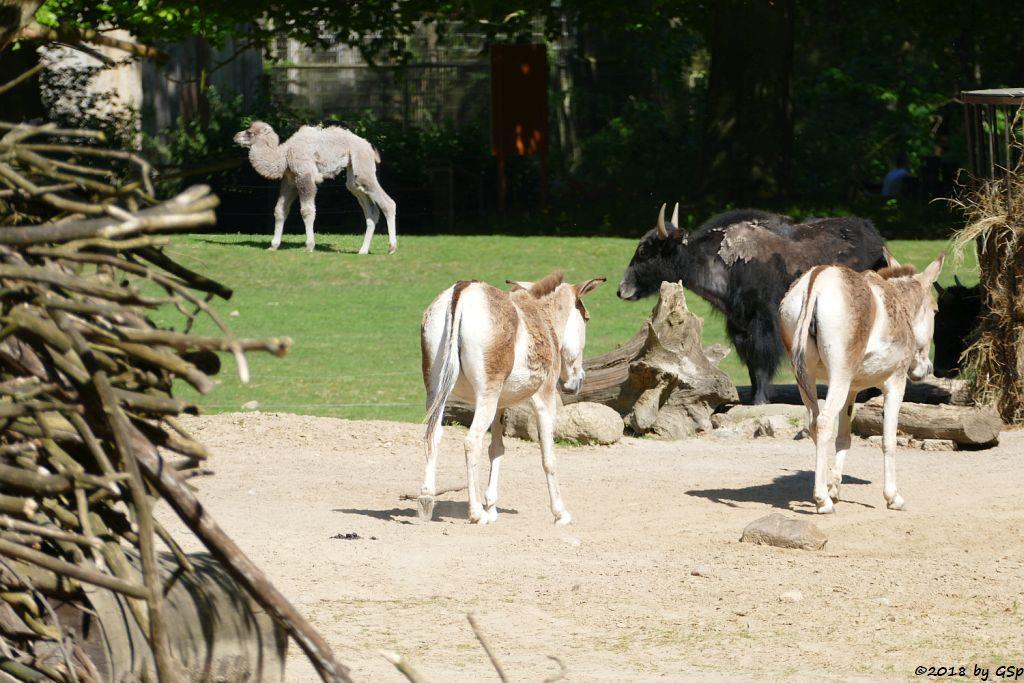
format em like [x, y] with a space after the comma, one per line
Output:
[933, 391]
[967, 426]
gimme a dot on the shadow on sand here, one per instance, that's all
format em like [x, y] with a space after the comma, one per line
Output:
[443, 509]
[788, 491]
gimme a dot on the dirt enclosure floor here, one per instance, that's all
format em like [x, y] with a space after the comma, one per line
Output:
[613, 593]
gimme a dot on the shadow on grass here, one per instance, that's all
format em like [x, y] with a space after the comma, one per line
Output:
[285, 246]
[443, 509]
[788, 491]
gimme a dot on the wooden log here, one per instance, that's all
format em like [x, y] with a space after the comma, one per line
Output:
[966, 426]
[933, 391]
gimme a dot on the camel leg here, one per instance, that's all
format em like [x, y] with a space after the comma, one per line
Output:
[306, 184]
[370, 214]
[379, 197]
[285, 198]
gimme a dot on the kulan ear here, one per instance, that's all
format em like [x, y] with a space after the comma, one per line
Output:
[890, 260]
[589, 286]
[517, 286]
[931, 273]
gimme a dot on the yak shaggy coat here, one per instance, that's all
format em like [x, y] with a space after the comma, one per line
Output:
[742, 262]
[857, 330]
[494, 349]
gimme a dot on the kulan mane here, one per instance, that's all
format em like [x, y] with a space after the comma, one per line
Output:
[893, 272]
[547, 284]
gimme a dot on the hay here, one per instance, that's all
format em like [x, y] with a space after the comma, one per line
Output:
[994, 211]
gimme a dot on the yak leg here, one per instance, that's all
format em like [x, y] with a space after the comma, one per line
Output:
[544, 406]
[285, 198]
[893, 396]
[825, 433]
[842, 447]
[483, 416]
[753, 329]
[425, 503]
[495, 451]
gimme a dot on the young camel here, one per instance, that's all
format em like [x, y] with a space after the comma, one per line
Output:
[857, 330]
[305, 160]
[494, 349]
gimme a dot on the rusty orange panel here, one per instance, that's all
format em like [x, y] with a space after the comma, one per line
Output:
[519, 100]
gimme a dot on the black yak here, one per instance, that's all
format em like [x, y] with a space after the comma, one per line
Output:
[956, 325]
[742, 262]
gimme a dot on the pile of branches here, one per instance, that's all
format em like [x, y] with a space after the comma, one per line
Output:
[89, 439]
[995, 222]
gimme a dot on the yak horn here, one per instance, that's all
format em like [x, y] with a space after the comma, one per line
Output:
[956, 279]
[675, 216]
[938, 288]
[662, 232]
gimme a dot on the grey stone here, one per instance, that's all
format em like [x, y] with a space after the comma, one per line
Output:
[588, 423]
[784, 532]
[582, 422]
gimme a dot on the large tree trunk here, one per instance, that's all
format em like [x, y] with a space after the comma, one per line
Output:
[749, 126]
[662, 381]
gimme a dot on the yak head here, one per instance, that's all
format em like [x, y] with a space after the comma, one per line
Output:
[654, 259]
[956, 324]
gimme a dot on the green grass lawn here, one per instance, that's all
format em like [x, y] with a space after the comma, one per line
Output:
[355, 320]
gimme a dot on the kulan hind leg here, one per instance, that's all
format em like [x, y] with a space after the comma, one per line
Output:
[544, 405]
[496, 451]
[843, 440]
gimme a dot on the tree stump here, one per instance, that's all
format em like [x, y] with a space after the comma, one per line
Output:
[661, 381]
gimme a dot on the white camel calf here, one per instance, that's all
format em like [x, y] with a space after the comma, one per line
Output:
[494, 349]
[305, 160]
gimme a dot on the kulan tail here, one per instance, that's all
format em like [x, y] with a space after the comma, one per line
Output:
[443, 382]
[802, 335]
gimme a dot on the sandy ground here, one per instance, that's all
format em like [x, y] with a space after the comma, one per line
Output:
[612, 595]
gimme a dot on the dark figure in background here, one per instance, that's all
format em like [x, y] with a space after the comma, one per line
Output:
[742, 262]
[898, 182]
[956, 325]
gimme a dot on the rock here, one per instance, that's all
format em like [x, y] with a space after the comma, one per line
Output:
[521, 422]
[251, 405]
[777, 420]
[884, 601]
[791, 596]
[701, 570]
[784, 532]
[740, 413]
[938, 445]
[581, 422]
[588, 423]
[902, 440]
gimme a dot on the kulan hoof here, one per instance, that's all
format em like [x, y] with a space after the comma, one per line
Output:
[272, 247]
[564, 518]
[425, 504]
[825, 507]
[833, 492]
[897, 503]
[310, 247]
